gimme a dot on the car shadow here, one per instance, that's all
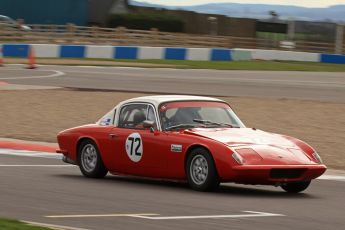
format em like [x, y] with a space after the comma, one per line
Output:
[258, 191]
[223, 190]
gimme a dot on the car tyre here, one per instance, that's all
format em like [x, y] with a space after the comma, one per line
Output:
[201, 171]
[296, 187]
[90, 161]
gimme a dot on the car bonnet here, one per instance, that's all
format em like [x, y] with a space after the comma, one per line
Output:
[242, 136]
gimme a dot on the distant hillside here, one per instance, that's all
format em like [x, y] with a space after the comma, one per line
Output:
[260, 11]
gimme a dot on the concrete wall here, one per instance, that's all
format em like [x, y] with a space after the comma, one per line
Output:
[167, 53]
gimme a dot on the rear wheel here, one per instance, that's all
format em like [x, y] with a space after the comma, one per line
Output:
[90, 161]
[201, 171]
[296, 187]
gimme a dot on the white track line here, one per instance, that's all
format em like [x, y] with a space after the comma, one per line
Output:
[102, 215]
[55, 74]
[332, 177]
[153, 217]
[26, 153]
[252, 214]
[52, 226]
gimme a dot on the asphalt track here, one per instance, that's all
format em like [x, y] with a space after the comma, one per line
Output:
[329, 87]
[45, 190]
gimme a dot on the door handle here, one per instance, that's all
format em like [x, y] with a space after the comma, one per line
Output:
[112, 135]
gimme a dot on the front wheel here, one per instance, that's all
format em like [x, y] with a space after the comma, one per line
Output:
[201, 171]
[296, 187]
[90, 161]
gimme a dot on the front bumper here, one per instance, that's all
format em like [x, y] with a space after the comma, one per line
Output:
[65, 157]
[275, 174]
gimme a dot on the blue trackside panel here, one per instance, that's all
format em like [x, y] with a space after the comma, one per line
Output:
[175, 53]
[72, 51]
[221, 55]
[333, 58]
[15, 50]
[126, 52]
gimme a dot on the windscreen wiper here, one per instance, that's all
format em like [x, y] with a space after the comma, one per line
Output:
[180, 126]
[208, 122]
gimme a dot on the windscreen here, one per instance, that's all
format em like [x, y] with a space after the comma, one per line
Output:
[190, 114]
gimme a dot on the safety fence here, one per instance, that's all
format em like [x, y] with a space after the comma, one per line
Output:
[162, 53]
[71, 34]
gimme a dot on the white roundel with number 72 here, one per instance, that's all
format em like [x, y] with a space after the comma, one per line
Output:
[134, 147]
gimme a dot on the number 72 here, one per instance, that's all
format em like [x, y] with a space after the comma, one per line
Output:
[136, 150]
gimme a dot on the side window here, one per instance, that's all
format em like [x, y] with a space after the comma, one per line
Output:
[151, 116]
[108, 119]
[133, 116]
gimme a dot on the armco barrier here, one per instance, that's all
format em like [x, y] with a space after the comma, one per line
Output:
[279, 55]
[126, 52]
[105, 52]
[175, 53]
[118, 52]
[151, 53]
[72, 51]
[285, 55]
[241, 55]
[168, 53]
[200, 54]
[333, 58]
[220, 55]
[46, 50]
[15, 50]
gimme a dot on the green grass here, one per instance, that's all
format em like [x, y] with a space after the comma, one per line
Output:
[248, 65]
[7, 224]
[220, 65]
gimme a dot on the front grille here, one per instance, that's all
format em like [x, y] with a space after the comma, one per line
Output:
[286, 173]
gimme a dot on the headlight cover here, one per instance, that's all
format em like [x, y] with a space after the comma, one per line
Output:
[317, 157]
[238, 158]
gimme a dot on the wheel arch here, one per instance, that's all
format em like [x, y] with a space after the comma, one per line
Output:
[99, 170]
[80, 141]
[195, 146]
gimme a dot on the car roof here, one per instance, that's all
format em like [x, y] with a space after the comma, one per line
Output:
[159, 99]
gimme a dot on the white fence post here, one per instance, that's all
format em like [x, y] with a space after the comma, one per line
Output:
[291, 29]
[339, 39]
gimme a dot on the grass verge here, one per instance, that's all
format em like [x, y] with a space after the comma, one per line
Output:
[248, 65]
[179, 64]
[8, 224]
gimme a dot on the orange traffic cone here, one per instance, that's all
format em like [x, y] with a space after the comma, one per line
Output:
[1, 58]
[32, 59]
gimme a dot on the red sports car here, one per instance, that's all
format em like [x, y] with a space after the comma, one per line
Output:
[188, 138]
